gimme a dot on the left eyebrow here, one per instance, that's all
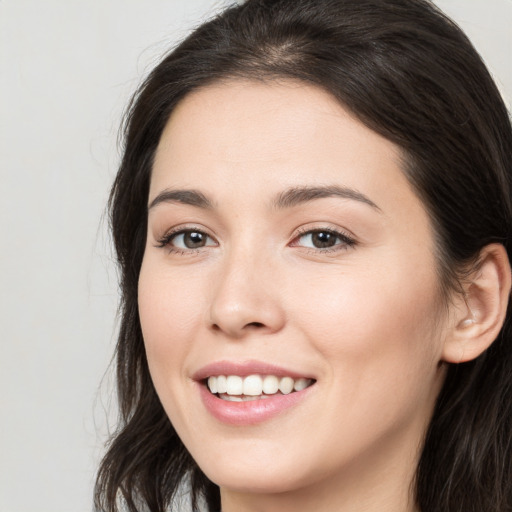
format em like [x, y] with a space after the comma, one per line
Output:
[190, 197]
[299, 195]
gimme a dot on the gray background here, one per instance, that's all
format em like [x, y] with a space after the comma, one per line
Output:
[67, 69]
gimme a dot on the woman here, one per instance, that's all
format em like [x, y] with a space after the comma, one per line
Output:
[313, 222]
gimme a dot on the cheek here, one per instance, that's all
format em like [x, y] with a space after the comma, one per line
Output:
[380, 339]
[374, 319]
[169, 310]
[170, 313]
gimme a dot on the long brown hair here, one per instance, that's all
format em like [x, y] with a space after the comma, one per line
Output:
[409, 73]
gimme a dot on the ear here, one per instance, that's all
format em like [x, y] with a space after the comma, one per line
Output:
[480, 314]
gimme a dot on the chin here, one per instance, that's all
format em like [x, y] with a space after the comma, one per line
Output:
[255, 480]
[254, 473]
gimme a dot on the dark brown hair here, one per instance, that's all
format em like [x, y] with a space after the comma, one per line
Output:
[409, 73]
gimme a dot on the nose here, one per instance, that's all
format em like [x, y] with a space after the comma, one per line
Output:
[246, 298]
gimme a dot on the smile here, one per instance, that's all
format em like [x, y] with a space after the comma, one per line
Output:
[251, 392]
[235, 388]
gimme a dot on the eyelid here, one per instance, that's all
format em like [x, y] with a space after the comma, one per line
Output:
[347, 239]
[164, 241]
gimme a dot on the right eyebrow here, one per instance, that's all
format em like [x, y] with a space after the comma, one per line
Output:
[190, 197]
[299, 195]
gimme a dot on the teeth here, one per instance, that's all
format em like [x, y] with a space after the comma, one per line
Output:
[237, 389]
[253, 385]
[212, 384]
[286, 385]
[222, 385]
[230, 398]
[301, 384]
[242, 398]
[270, 385]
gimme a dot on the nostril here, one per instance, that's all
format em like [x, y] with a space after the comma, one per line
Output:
[238, 331]
[255, 325]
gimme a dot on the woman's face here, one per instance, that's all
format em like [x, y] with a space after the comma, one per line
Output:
[285, 244]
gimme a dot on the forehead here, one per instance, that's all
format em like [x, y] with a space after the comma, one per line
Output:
[257, 138]
[287, 129]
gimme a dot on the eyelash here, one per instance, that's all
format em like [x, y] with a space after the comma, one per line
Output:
[166, 240]
[346, 240]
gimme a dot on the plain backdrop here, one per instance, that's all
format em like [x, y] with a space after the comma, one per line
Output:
[67, 69]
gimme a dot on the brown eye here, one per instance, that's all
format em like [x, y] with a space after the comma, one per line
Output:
[188, 239]
[194, 239]
[324, 239]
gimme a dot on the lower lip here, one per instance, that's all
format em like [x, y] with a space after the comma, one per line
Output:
[252, 411]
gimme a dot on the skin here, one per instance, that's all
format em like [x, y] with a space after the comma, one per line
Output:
[365, 318]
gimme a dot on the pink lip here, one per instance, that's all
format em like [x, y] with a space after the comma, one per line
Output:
[245, 368]
[253, 411]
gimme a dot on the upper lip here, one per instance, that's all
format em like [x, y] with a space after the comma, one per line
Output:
[245, 368]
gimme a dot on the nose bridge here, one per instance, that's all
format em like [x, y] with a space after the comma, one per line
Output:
[245, 296]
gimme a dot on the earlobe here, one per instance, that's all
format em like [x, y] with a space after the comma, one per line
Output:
[477, 324]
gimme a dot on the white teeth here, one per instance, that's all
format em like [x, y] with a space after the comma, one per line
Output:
[230, 398]
[270, 385]
[242, 398]
[286, 385]
[253, 385]
[222, 385]
[235, 385]
[300, 384]
[237, 389]
[212, 384]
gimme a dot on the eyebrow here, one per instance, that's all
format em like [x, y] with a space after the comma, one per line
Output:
[299, 195]
[190, 197]
[286, 199]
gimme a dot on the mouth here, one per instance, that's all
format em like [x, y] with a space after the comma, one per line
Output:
[235, 388]
[251, 392]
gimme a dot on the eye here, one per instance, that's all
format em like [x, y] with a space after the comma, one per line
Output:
[323, 239]
[186, 239]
